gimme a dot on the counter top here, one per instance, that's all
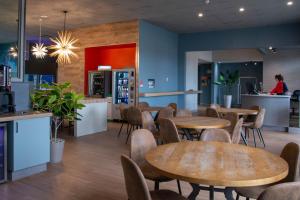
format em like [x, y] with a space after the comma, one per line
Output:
[23, 115]
[93, 100]
[157, 94]
[267, 95]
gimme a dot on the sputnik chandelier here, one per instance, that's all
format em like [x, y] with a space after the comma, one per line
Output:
[39, 50]
[64, 45]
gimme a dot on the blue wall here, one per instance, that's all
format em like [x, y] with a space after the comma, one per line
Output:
[258, 37]
[158, 59]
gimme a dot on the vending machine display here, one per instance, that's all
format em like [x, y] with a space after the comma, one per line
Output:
[123, 89]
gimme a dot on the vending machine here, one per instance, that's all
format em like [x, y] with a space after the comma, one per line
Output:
[100, 83]
[123, 89]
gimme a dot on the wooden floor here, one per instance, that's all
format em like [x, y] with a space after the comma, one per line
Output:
[91, 170]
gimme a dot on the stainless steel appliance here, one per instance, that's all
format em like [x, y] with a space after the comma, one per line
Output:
[3, 153]
[100, 83]
[123, 89]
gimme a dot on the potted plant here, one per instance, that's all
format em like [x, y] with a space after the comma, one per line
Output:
[63, 103]
[228, 80]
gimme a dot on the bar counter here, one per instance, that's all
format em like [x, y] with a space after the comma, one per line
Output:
[277, 108]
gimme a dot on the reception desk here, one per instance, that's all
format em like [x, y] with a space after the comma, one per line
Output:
[277, 108]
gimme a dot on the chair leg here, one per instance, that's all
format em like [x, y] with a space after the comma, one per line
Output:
[254, 137]
[262, 138]
[237, 197]
[156, 185]
[179, 187]
[247, 198]
[128, 134]
[258, 135]
[120, 129]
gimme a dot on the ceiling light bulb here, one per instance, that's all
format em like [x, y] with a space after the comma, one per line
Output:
[200, 15]
[242, 9]
[290, 3]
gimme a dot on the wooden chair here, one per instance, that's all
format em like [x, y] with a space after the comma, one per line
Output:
[256, 126]
[134, 118]
[216, 135]
[136, 185]
[174, 106]
[290, 154]
[149, 124]
[290, 191]
[212, 112]
[168, 131]
[123, 113]
[143, 141]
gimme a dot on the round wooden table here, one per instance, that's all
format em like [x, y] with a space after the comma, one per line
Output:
[186, 123]
[238, 111]
[217, 164]
[151, 108]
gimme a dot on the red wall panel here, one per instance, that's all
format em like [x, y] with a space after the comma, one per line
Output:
[117, 56]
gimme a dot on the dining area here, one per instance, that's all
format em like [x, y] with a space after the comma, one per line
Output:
[221, 152]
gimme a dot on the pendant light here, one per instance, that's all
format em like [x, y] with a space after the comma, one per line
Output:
[39, 50]
[13, 51]
[64, 45]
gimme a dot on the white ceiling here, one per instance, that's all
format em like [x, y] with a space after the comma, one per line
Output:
[176, 15]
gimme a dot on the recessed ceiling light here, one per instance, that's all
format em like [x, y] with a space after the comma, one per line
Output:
[242, 9]
[200, 14]
[289, 3]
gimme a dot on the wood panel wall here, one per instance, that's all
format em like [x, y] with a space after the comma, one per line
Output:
[101, 35]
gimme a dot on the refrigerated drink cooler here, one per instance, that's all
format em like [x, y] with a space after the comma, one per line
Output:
[123, 89]
[100, 83]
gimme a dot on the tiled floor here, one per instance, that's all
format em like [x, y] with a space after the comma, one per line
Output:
[91, 170]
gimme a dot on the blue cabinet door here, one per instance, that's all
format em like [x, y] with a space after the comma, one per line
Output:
[31, 142]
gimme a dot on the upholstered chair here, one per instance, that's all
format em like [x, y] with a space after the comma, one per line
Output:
[233, 118]
[184, 113]
[237, 131]
[166, 112]
[288, 191]
[174, 106]
[290, 154]
[143, 104]
[212, 112]
[256, 126]
[136, 185]
[134, 118]
[168, 131]
[215, 135]
[123, 113]
[149, 124]
[142, 141]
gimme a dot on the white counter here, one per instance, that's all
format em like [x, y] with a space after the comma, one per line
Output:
[277, 108]
[94, 117]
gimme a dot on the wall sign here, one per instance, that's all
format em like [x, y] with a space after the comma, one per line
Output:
[151, 83]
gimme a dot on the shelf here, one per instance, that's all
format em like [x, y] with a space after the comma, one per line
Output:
[175, 93]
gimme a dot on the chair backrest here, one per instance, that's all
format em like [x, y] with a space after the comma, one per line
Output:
[166, 112]
[215, 106]
[216, 135]
[123, 111]
[290, 154]
[134, 116]
[251, 118]
[168, 131]
[237, 131]
[148, 121]
[184, 113]
[233, 118]
[212, 112]
[288, 191]
[174, 106]
[142, 141]
[136, 185]
[259, 120]
[143, 104]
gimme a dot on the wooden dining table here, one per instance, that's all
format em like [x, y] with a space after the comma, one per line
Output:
[151, 108]
[217, 164]
[198, 122]
[238, 111]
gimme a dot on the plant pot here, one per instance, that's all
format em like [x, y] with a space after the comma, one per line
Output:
[227, 101]
[56, 150]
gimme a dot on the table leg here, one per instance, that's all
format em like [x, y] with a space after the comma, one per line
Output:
[228, 193]
[188, 134]
[195, 192]
[211, 193]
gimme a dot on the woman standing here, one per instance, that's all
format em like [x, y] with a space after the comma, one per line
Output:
[281, 87]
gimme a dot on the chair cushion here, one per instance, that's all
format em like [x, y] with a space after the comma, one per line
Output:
[251, 192]
[150, 174]
[165, 195]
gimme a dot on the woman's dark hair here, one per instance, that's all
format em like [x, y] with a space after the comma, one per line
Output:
[279, 77]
